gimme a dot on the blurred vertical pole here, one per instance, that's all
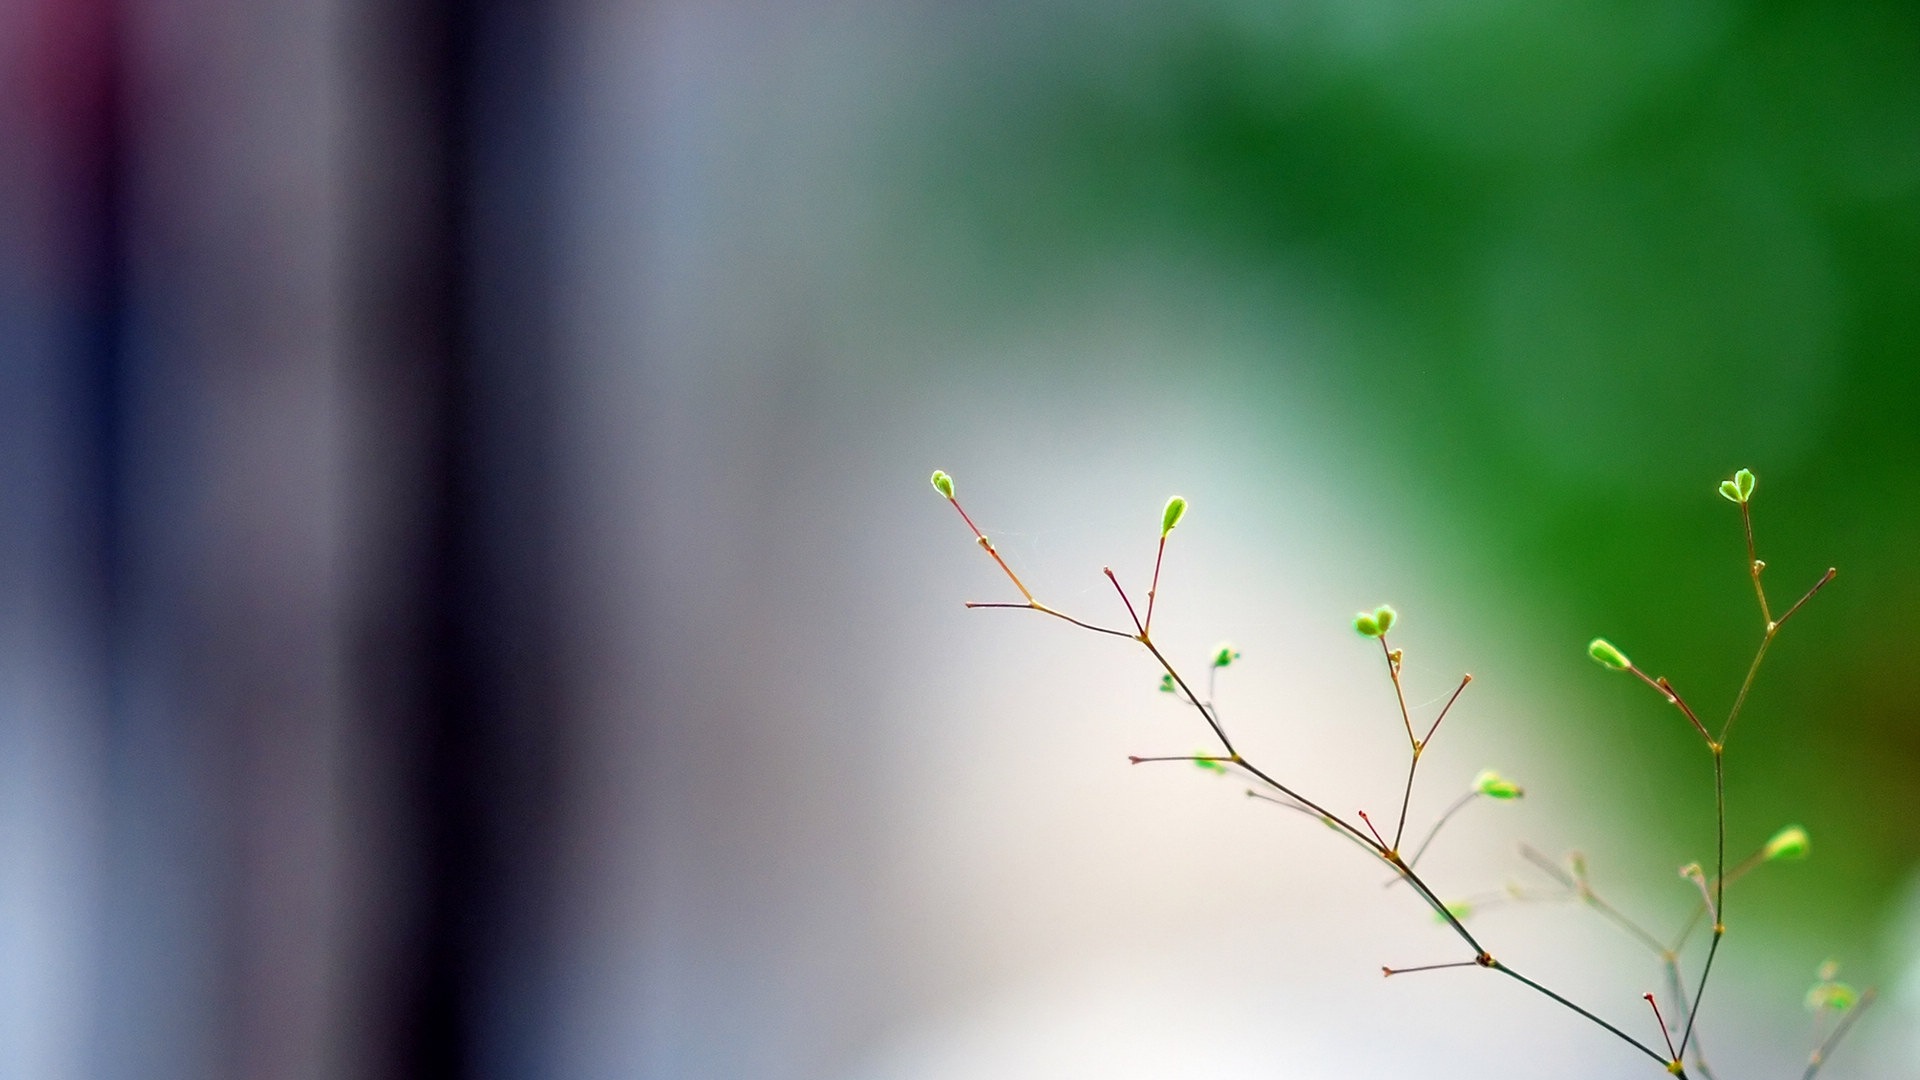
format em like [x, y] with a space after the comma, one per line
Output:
[226, 863]
[62, 283]
[452, 643]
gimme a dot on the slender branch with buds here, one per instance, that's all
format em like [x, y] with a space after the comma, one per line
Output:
[1788, 843]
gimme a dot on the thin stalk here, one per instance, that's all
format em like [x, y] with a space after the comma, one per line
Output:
[1623, 1036]
[1444, 709]
[1754, 565]
[1719, 887]
[1458, 804]
[1662, 1021]
[1108, 570]
[1406, 797]
[1618, 918]
[1154, 589]
[1390, 972]
[987, 546]
[1819, 1056]
[1035, 605]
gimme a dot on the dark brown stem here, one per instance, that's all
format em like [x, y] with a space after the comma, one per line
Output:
[1662, 1021]
[1043, 609]
[1444, 709]
[1673, 697]
[1624, 1037]
[1108, 570]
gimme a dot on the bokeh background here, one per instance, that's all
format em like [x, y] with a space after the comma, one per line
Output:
[474, 606]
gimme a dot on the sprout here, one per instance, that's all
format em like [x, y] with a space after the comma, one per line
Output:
[1694, 872]
[1730, 491]
[1384, 616]
[1791, 842]
[1494, 786]
[1176, 507]
[1829, 992]
[943, 484]
[1743, 482]
[1225, 654]
[1166, 684]
[1367, 624]
[1602, 650]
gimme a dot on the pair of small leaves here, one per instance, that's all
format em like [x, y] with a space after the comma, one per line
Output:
[1740, 488]
[1375, 623]
[943, 484]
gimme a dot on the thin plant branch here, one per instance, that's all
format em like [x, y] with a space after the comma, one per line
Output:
[1818, 1059]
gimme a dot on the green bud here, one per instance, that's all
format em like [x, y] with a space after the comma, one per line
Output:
[1791, 842]
[1224, 655]
[1743, 482]
[1693, 871]
[1367, 624]
[1602, 650]
[1213, 766]
[1166, 684]
[1828, 994]
[943, 483]
[1459, 909]
[1383, 616]
[1176, 507]
[1494, 786]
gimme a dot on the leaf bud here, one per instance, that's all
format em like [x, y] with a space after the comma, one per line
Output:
[943, 484]
[1602, 650]
[1176, 507]
[1384, 616]
[1494, 786]
[1791, 842]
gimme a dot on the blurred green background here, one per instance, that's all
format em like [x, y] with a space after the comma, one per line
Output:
[1560, 268]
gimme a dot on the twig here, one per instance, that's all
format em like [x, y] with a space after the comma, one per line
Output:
[1820, 1054]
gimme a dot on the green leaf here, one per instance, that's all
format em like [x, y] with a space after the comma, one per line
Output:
[1602, 650]
[1743, 481]
[1224, 655]
[1166, 684]
[1730, 491]
[1459, 909]
[1791, 842]
[1366, 624]
[1176, 508]
[1384, 616]
[1494, 786]
[1212, 766]
[943, 483]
